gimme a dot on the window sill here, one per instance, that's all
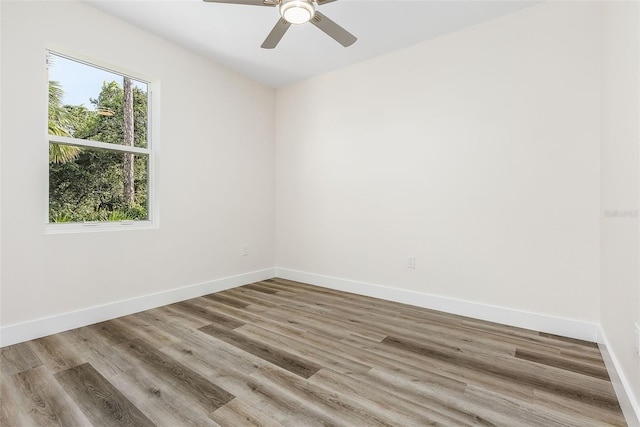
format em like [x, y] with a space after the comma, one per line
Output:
[96, 227]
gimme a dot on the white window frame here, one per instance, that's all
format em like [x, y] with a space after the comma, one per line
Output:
[153, 90]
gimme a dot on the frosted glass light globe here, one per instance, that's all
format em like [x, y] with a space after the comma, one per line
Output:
[297, 11]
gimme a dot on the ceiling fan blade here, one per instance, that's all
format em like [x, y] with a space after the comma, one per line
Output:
[249, 2]
[321, 2]
[276, 34]
[333, 30]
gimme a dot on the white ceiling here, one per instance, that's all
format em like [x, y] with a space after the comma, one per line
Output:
[232, 34]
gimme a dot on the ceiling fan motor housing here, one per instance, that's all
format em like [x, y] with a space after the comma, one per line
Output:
[297, 11]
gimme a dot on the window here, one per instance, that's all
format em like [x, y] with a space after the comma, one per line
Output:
[100, 153]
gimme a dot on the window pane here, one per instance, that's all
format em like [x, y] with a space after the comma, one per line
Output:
[87, 102]
[94, 185]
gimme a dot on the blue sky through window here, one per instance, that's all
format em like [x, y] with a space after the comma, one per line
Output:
[81, 81]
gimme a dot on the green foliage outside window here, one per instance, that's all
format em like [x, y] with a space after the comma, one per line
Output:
[87, 184]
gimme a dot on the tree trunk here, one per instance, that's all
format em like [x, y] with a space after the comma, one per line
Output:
[129, 190]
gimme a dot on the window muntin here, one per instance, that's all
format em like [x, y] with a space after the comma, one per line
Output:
[100, 155]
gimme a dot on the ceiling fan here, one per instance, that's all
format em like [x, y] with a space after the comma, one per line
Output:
[297, 12]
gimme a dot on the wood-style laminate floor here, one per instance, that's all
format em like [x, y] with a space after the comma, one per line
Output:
[281, 353]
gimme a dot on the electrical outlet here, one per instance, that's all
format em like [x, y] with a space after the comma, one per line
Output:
[245, 250]
[411, 262]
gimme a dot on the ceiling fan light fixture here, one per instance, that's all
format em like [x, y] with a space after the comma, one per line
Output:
[297, 11]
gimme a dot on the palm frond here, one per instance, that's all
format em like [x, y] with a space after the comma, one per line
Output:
[59, 124]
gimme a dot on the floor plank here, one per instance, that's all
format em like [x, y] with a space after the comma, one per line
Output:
[562, 362]
[396, 409]
[13, 412]
[304, 350]
[42, 398]
[281, 358]
[159, 400]
[273, 404]
[319, 400]
[207, 394]
[56, 353]
[240, 413]
[529, 374]
[207, 314]
[18, 358]
[99, 400]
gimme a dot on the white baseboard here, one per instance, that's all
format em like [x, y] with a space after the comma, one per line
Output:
[628, 401]
[13, 334]
[523, 319]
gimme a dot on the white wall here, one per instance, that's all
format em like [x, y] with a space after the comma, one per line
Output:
[620, 255]
[215, 170]
[477, 153]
